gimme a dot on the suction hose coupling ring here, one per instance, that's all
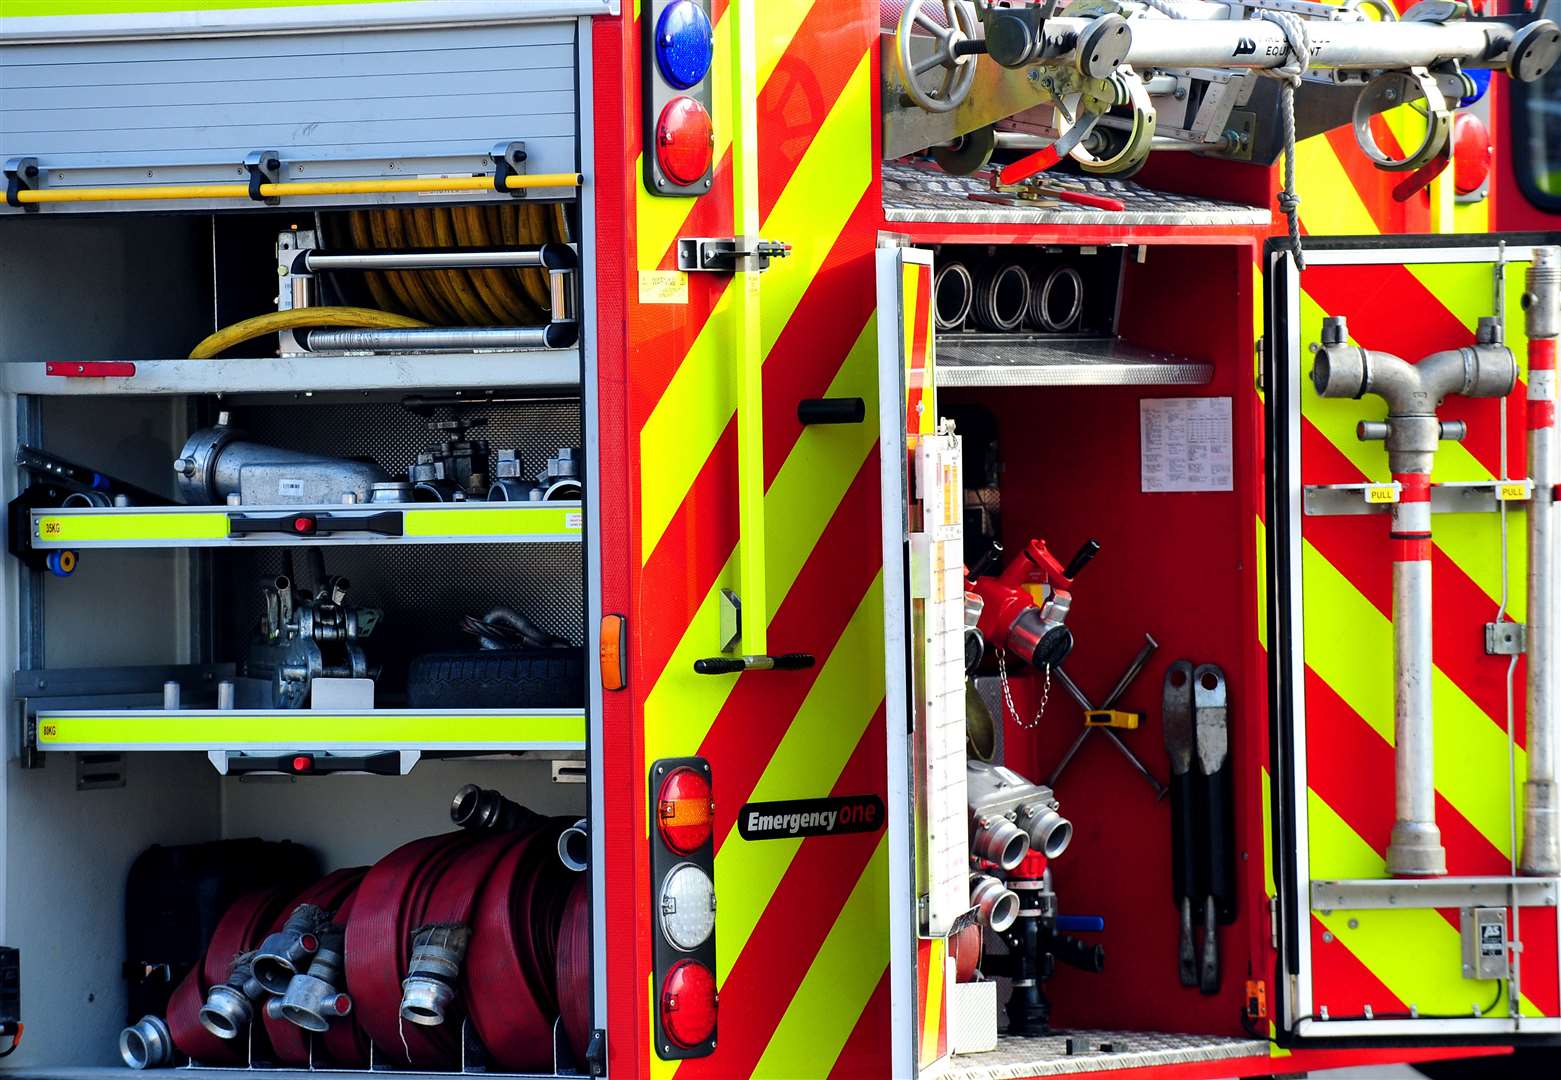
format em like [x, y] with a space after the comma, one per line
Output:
[147, 1044]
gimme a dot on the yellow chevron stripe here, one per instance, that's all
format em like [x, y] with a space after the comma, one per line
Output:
[1349, 644]
[701, 398]
[932, 1010]
[810, 757]
[804, 496]
[1468, 539]
[1330, 205]
[1415, 953]
[1260, 561]
[836, 989]
[659, 221]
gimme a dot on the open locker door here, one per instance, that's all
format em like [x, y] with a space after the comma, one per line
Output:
[1386, 720]
[924, 616]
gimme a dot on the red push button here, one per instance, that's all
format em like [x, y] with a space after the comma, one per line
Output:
[304, 525]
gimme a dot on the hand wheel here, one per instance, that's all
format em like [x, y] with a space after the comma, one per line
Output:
[958, 66]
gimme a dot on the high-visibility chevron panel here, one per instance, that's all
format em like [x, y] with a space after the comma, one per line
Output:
[1402, 958]
[781, 734]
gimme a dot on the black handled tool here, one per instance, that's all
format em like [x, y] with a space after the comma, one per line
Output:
[732, 665]
[1211, 725]
[1176, 718]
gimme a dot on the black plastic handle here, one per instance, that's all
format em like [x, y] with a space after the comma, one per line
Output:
[1081, 558]
[1184, 831]
[306, 524]
[732, 665]
[839, 410]
[1220, 840]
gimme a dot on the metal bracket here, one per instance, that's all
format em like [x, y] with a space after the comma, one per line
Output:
[509, 159]
[21, 174]
[731, 615]
[725, 255]
[264, 167]
[1472, 497]
[1368, 894]
[1506, 639]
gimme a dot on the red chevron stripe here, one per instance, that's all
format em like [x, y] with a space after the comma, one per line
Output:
[1541, 975]
[811, 619]
[780, 152]
[806, 83]
[1342, 983]
[1390, 310]
[1357, 548]
[797, 919]
[865, 1055]
[1348, 749]
[807, 356]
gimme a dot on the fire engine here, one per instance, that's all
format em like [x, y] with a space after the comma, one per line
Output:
[788, 538]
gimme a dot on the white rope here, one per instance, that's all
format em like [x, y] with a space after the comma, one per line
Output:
[1300, 44]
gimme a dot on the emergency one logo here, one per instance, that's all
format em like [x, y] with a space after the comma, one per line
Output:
[810, 817]
[1245, 47]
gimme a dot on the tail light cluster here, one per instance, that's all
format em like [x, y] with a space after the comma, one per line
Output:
[682, 874]
[679, 135]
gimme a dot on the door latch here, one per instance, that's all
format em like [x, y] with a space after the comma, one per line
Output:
[725, 255]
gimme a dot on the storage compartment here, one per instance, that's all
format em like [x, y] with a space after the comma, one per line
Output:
[362, 588]
[1161, 476]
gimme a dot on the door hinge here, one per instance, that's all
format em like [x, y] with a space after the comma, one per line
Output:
[1273, 922]
[725, 255]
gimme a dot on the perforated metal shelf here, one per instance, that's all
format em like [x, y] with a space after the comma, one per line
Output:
[1041, 360]
[912, 193]
[1025, 1057]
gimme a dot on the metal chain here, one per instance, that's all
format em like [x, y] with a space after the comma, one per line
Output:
[1008, 696]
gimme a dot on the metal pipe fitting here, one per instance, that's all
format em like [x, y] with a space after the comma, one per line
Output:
[284, 953]
[1541, 851]
[311, 261]
[1057, 302]
[486, 809]
[146, 1044]
[1002, 296]
[999, 841]
[314, 999]
[433, 972]
[997, 906]
[437, 338]
[95, 499]
[229, 1006]
[953, 291]
[574, 846]
[1050, 833]
[218, 462]
[1411, 434]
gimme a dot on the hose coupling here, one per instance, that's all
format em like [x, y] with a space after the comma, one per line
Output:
[285, 953]
[997, 906]
[315, 998]
[147, 1044]
[229, 1005]
[1050, 833]
[486, 809]
[999, 841]
[574, 846]
[429, 988]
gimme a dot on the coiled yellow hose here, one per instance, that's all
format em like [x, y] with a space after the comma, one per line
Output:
[272, 322]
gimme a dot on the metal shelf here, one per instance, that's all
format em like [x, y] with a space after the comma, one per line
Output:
[281, 731]
[546, 370]
[236, 526]
[1051, 1055]
[1038, 360]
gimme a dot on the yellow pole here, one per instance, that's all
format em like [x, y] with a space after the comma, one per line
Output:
[749, 346]
[295, 188]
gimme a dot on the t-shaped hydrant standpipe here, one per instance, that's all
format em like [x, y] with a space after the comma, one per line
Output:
[1541, 854]
[1411, 431]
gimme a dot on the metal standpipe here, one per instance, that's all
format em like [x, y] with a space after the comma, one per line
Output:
[1413, 393]
[1541, 851]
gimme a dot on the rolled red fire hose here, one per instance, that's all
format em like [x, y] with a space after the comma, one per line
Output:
[240, 929]
[389, 905]
[572, 968]
[289, 1042]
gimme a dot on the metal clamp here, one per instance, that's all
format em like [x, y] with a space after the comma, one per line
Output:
[509, 159]
[21, 174]
[725, 255]
[1389, 90]
[264, 167]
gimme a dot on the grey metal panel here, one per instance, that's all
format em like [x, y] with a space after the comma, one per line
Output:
[377, 97]
[1040, 360]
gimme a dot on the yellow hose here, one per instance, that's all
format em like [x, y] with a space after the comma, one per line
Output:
[261, 325]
